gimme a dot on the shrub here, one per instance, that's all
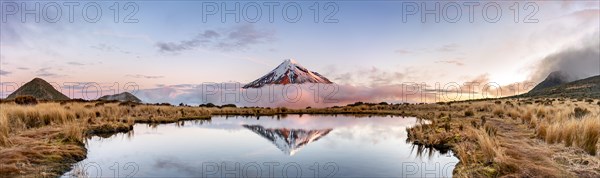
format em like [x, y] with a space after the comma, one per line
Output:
[128, 103]
[208, 105]
[498, 102]
[509, 103]
[469, 113]
[356, 104]
[580, 112]
[26, 100]
[229, 106]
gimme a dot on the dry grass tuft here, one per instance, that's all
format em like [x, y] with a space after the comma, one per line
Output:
[488, 146]
[4, 131]
[73, 132]
[580, 128]
[498, 112]
[591, 134]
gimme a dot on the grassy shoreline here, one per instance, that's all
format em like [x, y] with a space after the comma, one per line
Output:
[516, 138]
[491, 138]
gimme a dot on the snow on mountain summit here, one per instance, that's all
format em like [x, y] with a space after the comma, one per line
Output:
[288, 72]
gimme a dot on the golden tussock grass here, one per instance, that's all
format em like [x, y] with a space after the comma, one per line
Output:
[73, 132]
[477, 132]
[4, 130]
[488, 146]
[493, 145]
[591, 133]
[563, 127]
[51, 135]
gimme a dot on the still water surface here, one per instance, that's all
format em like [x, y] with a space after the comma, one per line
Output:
[279, 146]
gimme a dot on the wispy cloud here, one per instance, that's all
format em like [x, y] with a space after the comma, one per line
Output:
[402, 51]
[237, 38]
[46, 72]
[374, 76]
[109, 48]
[75, 63]
[455, 62]
[145, 76]
[4, 73]
[102, 47]
[22, 68]
[448, 47]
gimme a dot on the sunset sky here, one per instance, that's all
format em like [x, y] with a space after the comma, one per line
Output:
[369, 46]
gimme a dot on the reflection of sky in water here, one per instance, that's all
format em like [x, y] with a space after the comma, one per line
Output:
[365, 146]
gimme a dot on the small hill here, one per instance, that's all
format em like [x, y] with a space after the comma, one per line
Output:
[584, 88]
[554, 79]
[40, 89]
[125, 96]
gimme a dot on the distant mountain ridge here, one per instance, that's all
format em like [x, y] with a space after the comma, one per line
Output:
[288, 72]
[584, 88]
[554, 79]
[40, 89]
[125, 96]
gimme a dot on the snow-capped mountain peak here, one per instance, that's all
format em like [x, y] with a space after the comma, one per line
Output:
[288, 72]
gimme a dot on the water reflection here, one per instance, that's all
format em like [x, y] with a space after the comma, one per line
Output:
[288, 140]
[358, 146]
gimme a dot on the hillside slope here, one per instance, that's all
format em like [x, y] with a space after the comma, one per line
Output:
[584, 88]
[125, 96]
[40, 89]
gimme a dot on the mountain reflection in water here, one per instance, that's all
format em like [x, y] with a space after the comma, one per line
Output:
[356, 146]
[289, 140]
